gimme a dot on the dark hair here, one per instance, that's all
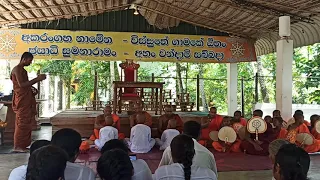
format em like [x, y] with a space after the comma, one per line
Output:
[298, 112]
[314, 118]
[69, 140]
[237, 112]
[258, 112]
[115, 144]
[47, 163]
[279, 119]
[115, 165]
[192, 128]
[213, 108]
[294, 162]
[26, 55]
[276, 111]
[182, 151]
[38, 144]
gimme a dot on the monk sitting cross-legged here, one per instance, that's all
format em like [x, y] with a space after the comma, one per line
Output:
[237, 118]
[169, 115]
[101, 122]
[223, 146]
[260, 146]
[212, 123]
[139, 110]
[300, 127]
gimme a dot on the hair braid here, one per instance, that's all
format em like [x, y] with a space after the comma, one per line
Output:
[187, 162]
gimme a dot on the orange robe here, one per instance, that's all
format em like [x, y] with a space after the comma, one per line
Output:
[213, 126]
[234, 147]
[282, 134]
[306, 123]
[243, 122]
[315, 133]
[315, 147]
[116, 120]
[24, 105]
[179, 123]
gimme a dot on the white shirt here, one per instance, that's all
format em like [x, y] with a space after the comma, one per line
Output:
[141, 170]
[175, 172]
[167, 137]
[140, 139]
[73, 172]
[106, 134]
[203, 157]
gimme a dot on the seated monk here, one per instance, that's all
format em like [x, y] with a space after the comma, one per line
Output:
[164, 119]
[258, 147]
[101, 122]
[221, 146]
[138, 110]
[314, 118]
[212, 123]
[237, 118]
[279, 131]
[304, 121]
[276, 113]
[300, 127]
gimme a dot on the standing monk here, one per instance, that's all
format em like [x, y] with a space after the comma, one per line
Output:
[212, 123]
[24, 102]
[164, 119]
[138, 110]
[101, 122]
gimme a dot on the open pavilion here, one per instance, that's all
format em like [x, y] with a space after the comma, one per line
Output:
[253, 21]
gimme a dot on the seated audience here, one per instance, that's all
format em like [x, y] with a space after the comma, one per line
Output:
[19, 173]
[140, 137]
[101, 122]
[106, 133]
[203, 157]
[291, 163]
[140, 167]
[237, 118]
[221, 146]
[300, 127]
[169, 115]
[314, 118]
[304, 121]
[274, 148]
[47, 163]
[211, 123]
[168, 134]
[139, 110]
[260, 147]
[70, 140]
[115, 165]
[279, 131]
[276, 113]
[182, 151]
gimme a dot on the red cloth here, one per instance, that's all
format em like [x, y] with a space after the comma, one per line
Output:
[165, 120]
[243, 122]
[306, 123]
[213, 126]
[24, 105]
[266, 138]
[315, 134]
[129, 77]
[234, 147]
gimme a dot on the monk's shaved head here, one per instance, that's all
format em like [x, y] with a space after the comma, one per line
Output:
[109, 120]
[141, 118]
[168, 110]
[172, 124]
[107, 110]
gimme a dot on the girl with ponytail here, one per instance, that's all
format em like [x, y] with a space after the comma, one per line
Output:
[291, 163]
[182, 152]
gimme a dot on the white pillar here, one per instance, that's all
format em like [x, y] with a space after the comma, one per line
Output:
[232, 74]
[284, 70]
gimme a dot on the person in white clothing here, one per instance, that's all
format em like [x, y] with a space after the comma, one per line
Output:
[182, 151]
[140, 167]
[106, 133]
[168, 135]
[203, 157]
[70, 141]
[19, 173]
[140, 136]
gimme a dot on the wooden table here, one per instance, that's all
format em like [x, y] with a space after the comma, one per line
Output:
[11, 120]
[153, 85]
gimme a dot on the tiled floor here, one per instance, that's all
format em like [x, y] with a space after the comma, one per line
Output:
[10, 161]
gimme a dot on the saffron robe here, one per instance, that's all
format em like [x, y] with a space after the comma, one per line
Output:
[234, 147]
[214, 125]
[315, 147]
[24, 105]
